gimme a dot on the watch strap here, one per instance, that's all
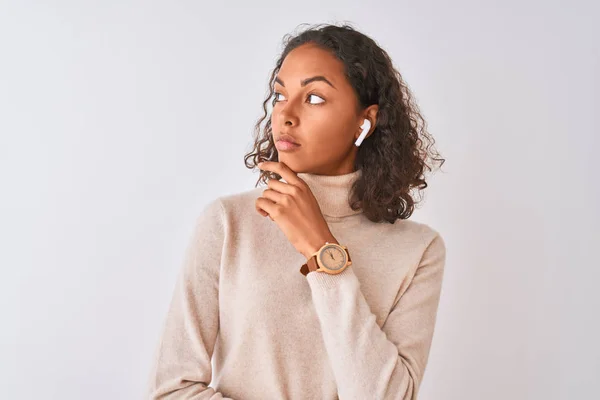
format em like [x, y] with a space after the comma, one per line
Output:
[311, 265]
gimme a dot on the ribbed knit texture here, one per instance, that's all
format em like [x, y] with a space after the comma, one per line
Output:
[273, 333]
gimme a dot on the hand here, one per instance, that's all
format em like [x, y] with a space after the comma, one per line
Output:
[294, 208]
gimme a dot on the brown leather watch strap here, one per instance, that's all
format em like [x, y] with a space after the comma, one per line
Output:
[311, 265]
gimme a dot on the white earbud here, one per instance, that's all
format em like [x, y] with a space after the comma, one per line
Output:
[365, 129]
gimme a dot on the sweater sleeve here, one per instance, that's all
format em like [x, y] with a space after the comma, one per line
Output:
[384, 363]
[182, 367]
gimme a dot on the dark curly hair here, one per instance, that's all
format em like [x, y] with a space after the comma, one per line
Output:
[394, 157]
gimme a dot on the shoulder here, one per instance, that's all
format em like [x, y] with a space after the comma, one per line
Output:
[232, 208]
[235, 206]
[434, 247]
[240, 203]
[428, 238]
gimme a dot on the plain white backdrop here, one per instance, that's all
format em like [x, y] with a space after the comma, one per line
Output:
[120, 120]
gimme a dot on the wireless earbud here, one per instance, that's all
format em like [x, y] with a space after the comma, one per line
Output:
[365, 129]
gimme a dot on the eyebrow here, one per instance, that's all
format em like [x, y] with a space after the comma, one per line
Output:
[309, 80]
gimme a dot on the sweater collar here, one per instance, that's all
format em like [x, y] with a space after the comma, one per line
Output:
[332, 192]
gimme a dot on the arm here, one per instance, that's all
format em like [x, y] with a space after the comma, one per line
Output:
[182, 367]
[370, 362]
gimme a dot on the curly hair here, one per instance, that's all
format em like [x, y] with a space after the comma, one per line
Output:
[395, 156]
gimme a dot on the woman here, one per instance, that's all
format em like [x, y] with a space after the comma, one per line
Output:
[317, 287]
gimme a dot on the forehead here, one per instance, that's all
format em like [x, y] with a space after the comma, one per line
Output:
[309, 60]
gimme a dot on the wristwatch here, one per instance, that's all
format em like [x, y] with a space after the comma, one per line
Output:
[331, 258]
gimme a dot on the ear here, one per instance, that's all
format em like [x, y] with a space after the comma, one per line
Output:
[369, 113]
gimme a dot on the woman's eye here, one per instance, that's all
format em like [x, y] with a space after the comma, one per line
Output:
[276, 99]
[318, 97]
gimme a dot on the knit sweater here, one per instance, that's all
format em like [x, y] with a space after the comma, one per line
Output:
[242, 304]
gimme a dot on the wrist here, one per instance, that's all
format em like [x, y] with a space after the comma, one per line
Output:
[316, 244]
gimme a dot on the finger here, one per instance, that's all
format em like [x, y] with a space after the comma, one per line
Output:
[260, 210]
[275, 196]
[268, 205]
[284, 171]
[282, 187]
[263, 213]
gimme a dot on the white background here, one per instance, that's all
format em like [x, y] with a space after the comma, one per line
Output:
[120, 120]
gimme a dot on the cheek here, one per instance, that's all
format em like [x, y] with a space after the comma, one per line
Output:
[329, 125]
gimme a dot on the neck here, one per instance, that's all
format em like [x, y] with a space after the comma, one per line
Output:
[332, 192]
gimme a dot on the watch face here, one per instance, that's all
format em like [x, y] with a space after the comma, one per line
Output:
[332, 257]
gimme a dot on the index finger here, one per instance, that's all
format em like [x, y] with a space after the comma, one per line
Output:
[284, 171]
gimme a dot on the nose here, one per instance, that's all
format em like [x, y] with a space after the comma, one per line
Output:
[288, 111]
[288, 116]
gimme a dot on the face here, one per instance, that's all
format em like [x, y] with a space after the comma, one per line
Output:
[320, 114]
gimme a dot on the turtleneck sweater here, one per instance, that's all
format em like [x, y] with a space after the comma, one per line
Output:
[244, 323]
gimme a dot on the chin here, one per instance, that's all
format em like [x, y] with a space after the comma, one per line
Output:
[292, 162]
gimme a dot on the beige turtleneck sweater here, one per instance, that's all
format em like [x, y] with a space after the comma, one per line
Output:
[272, 333]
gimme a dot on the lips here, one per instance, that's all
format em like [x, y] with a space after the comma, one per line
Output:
[283, 145]
[287, 138]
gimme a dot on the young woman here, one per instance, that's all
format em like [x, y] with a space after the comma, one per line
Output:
[318, 286]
